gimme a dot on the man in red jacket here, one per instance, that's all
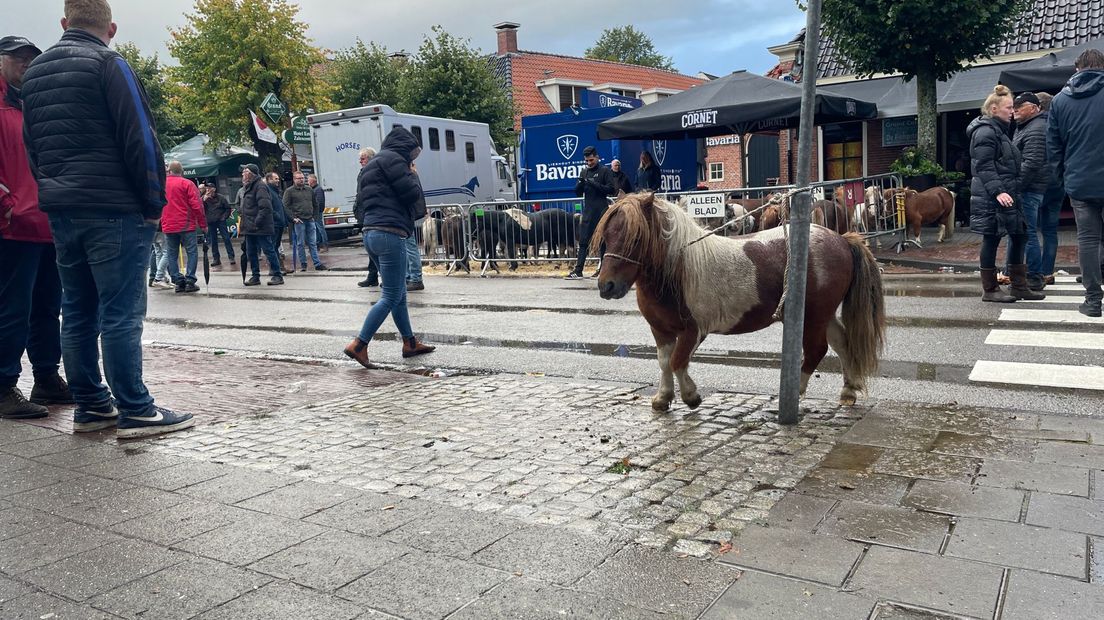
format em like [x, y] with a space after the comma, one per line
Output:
[30, 289]
[181, 218]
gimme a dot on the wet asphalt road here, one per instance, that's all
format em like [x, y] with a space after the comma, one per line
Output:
[555, 327]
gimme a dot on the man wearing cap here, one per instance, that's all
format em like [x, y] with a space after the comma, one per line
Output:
[30, 291]
[256, 225]
[101, 181]
[1035, 177]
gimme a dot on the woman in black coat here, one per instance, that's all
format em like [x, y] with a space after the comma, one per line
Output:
[995, 208]
[647, 176]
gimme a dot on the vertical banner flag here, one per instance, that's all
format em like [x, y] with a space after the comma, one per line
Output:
[263, 131]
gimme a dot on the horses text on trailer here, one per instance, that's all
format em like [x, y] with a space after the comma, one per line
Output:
[458, 163]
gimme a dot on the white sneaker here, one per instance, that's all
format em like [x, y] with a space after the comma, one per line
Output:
[164, 284]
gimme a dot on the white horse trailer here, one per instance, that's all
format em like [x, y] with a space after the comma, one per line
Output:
[458, 163]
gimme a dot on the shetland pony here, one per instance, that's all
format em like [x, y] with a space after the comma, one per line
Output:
[827, 213]
[927, 207]
[690, 284]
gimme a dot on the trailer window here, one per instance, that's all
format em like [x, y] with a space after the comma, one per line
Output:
[469, 151]
[450, 140]
[417, 131]
[434, 139]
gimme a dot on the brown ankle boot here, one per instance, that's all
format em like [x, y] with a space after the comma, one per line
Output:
[992, 291]
[358, 350]
[1020, 289]
[412, 347]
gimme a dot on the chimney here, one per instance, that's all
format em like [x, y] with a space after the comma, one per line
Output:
[507, 37]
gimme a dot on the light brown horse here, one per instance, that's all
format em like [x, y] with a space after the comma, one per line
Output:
[830, 214]
[926, 207]
[689, 284]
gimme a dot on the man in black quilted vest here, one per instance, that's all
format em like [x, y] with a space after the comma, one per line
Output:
[101, 176]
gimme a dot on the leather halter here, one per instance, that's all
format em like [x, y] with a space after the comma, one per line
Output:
[624, 258]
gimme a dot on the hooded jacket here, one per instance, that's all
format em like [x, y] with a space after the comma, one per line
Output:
[1030, 139]
[256, 209]
[387, 190]
[995, 165]
[18, 190]
[89, 132]
[1075, 135]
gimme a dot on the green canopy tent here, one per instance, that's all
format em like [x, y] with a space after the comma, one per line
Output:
[201, 162]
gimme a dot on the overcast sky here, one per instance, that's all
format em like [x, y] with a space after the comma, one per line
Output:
[715, 36]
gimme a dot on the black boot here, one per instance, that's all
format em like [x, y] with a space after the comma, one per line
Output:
[15, 406]
[991, 291]
[1019, 289]
[51, 390]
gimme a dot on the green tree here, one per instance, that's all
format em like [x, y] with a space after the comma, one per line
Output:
[628, 45]
[924, 39]
[151, 73]
[449, 79]
[234, 52]
[365, 74]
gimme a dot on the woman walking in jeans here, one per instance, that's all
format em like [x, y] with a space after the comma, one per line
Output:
[388, 193]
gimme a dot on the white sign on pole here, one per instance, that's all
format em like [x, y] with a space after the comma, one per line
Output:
[706, 205]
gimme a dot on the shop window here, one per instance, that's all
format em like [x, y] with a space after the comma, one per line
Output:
[716, 171]
[843, 151]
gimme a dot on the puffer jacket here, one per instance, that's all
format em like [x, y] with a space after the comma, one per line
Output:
[89, 132]
[1030, 139]
[1075, 134]
[256, 209]
[387, 189]
[18, 190]
[995, 165]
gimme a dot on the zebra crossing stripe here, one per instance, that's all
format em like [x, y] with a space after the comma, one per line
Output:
[1054, 299]
[1042, 375]
[1057, 340]
[1070, 317]
[1065, 288]
[1065, 279]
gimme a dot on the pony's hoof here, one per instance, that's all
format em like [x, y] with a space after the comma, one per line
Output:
[847, 401]
[694, 401]
[661, 404]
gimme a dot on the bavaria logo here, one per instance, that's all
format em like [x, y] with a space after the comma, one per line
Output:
[567, 145]
[660, 149]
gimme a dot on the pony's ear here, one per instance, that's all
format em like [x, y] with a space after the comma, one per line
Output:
[646, 202]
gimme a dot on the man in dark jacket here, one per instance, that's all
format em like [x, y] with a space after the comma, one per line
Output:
[30, 291]
[256, 225]
[101, 178]
[216, 209]
[620, 179]
[279, 218]
[299, 204]
[1075, 144]
[595, 185]
[319, 212]
[1035, 177]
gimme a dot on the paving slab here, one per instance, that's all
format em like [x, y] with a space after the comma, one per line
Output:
[886, 525]
[117, 507]
[176, 477]
[1093, 426]
[1096, 560]
[1059, 479]
[548, 554]
[1075, 454]
[33, 476]
[284, 600]
[455, 532]
[889, 434]
[680, 586]
[92, 453]
[983, 446]
[17, 520]
[301, 499]
[423, 586]
[47, 445]
[330, 561]
[183, 521]
[533, 600]
[1020, 546]
[858, 486]
[946, 584]
[39, 606]
[927, 465]
[964, 500]
[799, 512]
[770, 597]
[180, 591]
[61, 497]
[825, 559]
[1074, 514]
[12, 432]
[46, 546]
[132, 462]
[372, 514]
[98, 570]
[1033, 596]
[899, 611]
[238, 484]
[246, 541]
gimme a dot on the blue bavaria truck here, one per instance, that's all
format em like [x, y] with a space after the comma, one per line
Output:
[550, 152]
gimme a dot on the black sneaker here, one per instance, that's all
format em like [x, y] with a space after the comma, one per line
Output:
[95, 418]
[157, 421]
[51, 390]
[191, 288]
[276, 281]
[415, 286]
[15, 406]
[181, 285]
[217, 263]
[1089, 308]
[574, 275]
[321, 267]
[254, 281]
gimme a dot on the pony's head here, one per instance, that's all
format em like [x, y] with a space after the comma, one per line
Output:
[632, 231]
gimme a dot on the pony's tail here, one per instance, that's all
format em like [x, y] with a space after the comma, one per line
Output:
[863, 312]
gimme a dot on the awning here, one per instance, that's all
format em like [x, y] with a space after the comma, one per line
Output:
[1049, 72]
[895, 97]
[739, 103]
[199, 162]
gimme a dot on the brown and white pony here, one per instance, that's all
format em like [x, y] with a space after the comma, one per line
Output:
[688, 286]
[827, 213]
[926, 207]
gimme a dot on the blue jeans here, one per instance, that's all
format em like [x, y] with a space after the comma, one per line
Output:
[30, 305]
[254, 244]
[300, 233]
[158, 264]
[173, 241]
[214, 230]
[1033, 256]
[391, 252]
[320, 229]
[1048, 226]
[413, 260]
[102, 260]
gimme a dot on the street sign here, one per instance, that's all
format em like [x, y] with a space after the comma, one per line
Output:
[299, 132]
[273, 107]
[706, 205]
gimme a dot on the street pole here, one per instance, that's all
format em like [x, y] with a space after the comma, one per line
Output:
[793, 317]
